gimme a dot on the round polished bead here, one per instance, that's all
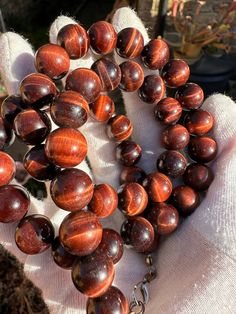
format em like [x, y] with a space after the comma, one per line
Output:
[153, 89]
[7, 168]
[10, 107]
[202, 149]
[32, 126]
[175, 73]
[168, 111]
[72, 189]
[112, 301]
[104, 200]
[158, 187]
[103, 108]
[155, 54]
[37, 90]
[175, 137]
[130, 43]
[132, 174]
[37, 164]
[198, 176]
[86, 82]
[103, 37]
[128, 153]
[164, 218]
[66, 147]
[190, 96]
[108, 72]
[93, 275]
[60, 256]
[34, 234]
[14, 203]
[132, 76]
[199, 122]
[185, 199]
[6, 134]
[52, 60]
[172, 163]
[133, 199]
[69, 109]
[119, 128]
[74, 39]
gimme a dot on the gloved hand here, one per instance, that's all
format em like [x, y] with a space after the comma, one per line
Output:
[196, 265]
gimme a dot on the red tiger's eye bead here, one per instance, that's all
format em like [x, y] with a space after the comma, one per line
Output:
[185, 199]
[80, 232]
[104, 200]
[190, 96]
[74, 39]
[60, 256]
[175, 73]
[6, 134]
[132, 174]
[128, 153]
[133, 199]
[14, 203]
[69, 109]
[132, 76]
[158, 187]
[155, 54]
[52, 60]
[103, 37]
[168, 111]
[10, 107]
[32, 126]
[37, 90]
[202, 149]
[7, 168]
[86, 82]
[175, 137]
[199, 122]
[172, 163]
[153, 89]
[34, 234]
[66, 147]
[198, 176]
[72, 189]
[108, 72]
[119, 128]
[130, 43]
[103, 108]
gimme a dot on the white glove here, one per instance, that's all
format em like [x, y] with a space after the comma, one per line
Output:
[196, 265]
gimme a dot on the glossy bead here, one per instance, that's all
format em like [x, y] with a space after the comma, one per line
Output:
[108, 72]
[10, 107]
[119, 128]
[133, 199]
[111, 245]
[190, 96]
[199, 122]
[168, 111]
[198, 176]
[69, 109]
[72, 189]
[52, 60]
[164, 218]
[6, 134]
[132, 174]
[86, 82]
[158, 187]
[175, 137]
[32, 126]
[153, 89]
[185, 199]
[93, 275]
[132, 76]
[7, 168]
[103, 37]
[14, 203]
[37, 164]
[130, 43]
[66, 147]
[74, 39]
[172, 163]
[104, 201]
[37, 90]
[202, 149]
[155, 54]
[60, 256]
[34, 234]
[128, 153]
[175, 73]
[103, 108]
